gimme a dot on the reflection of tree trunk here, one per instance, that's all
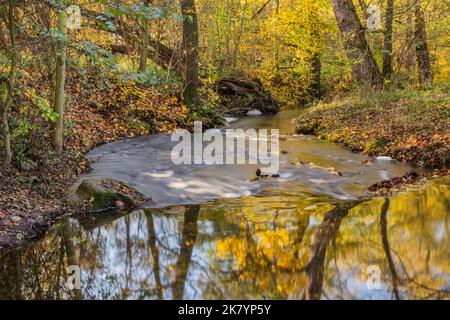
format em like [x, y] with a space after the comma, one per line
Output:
[447, 228]
[426, 237]
[155, 253]
[11, 276]
[188, 239]
[72, 260]
[60, 264]
[129, 259]
[387, 250]
[302, 224]
[320, 240]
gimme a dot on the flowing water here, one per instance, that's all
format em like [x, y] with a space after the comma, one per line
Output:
[214, 233]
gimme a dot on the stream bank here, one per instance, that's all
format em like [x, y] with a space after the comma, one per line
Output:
[36, 189]
[407, 125]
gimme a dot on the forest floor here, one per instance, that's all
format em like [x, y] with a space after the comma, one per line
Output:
[410, 126]
[35, 189]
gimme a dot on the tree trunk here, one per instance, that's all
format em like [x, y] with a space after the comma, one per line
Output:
[239, 36]
[6, 137]
[315, 67]
[315, 64]
[144, 48]
[363, 5]
[422, 54]
[60, 77]
[144, 43]
[190, 51]
[408, 61]
[387, 55]
[364, 66]
[3, 37]
[8, 102]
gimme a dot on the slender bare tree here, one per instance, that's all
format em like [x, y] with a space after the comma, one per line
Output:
[190, 50]
[144, 42]
[60, 76]
[7, 86]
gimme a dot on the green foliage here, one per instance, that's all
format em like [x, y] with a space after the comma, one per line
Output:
[21, 129]
[43, 105]
[21, 132]
[57, 36]
[138, 10]
[208, 113]
[98, 56]
[149, 77]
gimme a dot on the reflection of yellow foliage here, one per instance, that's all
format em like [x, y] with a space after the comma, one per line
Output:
[418, 235]
[269, 248]
[269, 257]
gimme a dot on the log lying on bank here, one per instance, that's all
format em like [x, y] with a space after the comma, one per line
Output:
[162, 55]
[240, 95]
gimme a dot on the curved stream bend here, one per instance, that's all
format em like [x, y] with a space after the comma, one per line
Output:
[144, 163]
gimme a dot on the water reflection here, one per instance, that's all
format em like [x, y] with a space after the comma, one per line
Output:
[274, 246]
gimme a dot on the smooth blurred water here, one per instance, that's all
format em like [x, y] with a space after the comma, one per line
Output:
[145, 164]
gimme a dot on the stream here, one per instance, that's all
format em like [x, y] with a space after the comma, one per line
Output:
[216, 234]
